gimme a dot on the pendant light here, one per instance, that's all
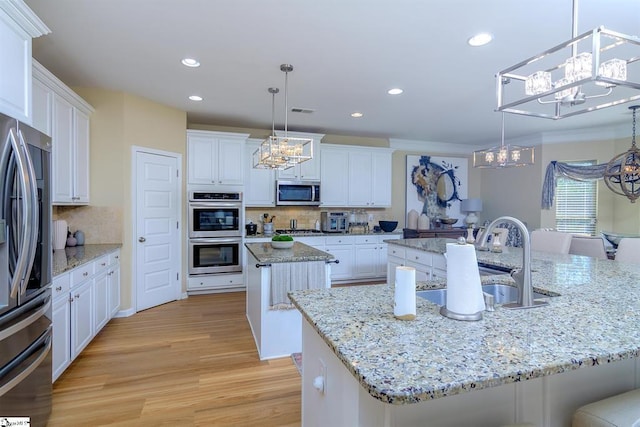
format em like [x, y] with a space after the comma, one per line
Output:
[622, 175]
[503, 156]
[282, 152]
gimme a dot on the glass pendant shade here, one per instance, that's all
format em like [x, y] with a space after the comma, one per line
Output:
[504, 155]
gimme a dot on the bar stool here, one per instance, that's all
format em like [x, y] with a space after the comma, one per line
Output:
[622, 410]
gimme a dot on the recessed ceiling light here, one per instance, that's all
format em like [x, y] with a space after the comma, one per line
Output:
[190, 62]
[395, 91]
[357, 114]
[480, 39]
[195, 98]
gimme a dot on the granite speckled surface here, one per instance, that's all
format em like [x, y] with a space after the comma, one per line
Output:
[322, 234]
[593, 321]
[71, 258]
[266, 254]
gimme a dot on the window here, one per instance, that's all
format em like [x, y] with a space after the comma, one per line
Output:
[576, 204]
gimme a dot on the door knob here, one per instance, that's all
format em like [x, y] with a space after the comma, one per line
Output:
[141, 239]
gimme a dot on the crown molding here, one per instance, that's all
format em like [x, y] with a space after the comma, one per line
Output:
[430, 146]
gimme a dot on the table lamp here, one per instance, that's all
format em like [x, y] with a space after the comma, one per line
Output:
[471, 206]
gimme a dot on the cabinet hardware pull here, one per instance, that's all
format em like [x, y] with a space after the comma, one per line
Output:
[58, 288]
[85, 274]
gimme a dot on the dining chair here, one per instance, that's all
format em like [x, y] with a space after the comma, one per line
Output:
[588, 246]
[628, 250]
[550, 241]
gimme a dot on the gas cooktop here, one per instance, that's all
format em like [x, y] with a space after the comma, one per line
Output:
[298, 231]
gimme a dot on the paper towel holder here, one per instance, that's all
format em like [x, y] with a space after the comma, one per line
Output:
[457, 316]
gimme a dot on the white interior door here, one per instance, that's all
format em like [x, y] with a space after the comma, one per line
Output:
[157, 226]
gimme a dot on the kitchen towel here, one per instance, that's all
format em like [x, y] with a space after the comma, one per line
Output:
[464, 290]
[59, 234]
[404, 294]
[412, 220]
[294, 276]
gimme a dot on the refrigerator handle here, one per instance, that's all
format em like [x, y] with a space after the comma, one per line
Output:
[45, 339]
[22, 324]
[21, 264]
[32, 212]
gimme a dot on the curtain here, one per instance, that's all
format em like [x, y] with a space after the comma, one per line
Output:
[578, 173]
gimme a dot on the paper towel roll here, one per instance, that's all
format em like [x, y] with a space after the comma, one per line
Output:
[464, 290]
[412, 220]
[404, 307]
[59, 234]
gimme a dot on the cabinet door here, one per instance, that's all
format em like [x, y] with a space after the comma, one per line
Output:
[360, 174]
[366, 261]
[62, 152]
[305, 171]
[15, 69]
[380, 179]
[61, 321]
[200, 158]
[42, 106]
[81, 317]
[114, 290]
[81, 157]
[100, 301]
[334, 177]
[344, 269]
[230, 163]
[392, 263]
[259, 188]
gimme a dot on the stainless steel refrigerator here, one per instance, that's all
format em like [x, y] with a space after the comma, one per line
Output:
[25, 272]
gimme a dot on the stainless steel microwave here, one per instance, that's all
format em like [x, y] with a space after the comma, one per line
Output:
[304, 193]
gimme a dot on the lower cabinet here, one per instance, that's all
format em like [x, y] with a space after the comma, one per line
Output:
[428, 265]
[84, 300]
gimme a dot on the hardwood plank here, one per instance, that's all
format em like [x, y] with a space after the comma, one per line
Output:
[187, 363]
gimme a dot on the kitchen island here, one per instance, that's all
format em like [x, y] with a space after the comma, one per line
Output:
[277, 328]
[364, 367]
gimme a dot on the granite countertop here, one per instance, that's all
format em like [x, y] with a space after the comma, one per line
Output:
[300, 252]
[71, 258]
[323, 234]
[593, 321]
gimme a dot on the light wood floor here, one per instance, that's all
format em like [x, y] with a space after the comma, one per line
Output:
[187, 363]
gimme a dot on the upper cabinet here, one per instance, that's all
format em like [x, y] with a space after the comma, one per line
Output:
[259, 184]
[305, 171]
[215, 158]
[62, 114]
[18, 26]
[354, 176]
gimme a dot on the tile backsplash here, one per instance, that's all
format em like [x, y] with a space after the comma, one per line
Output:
[100, 224]
[305, 216]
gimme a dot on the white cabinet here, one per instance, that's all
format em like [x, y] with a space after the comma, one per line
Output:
[215, 157]
[334, 168]
[308, 170]
[342, 248]
[61, 321]
[356, 176]
[84, 300]
[428, 265]
[18, 26]
[62, 114]
[382, 253]
[259, 188]
[231, 282]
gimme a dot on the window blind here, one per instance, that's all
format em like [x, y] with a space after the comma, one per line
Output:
[576, 204]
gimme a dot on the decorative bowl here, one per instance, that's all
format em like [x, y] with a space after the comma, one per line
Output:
[388, 226]
[282, 245]
[448, 221]
[614, 238]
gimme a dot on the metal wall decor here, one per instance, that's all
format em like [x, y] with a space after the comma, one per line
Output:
[622, 175]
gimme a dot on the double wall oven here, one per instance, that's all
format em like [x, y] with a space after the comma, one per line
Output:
[215, 232]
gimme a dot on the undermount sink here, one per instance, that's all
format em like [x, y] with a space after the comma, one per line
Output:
[502, 294]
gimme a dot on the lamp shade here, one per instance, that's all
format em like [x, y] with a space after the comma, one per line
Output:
[471, 205]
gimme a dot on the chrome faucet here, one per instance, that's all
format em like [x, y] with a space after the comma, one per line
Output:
[521, 276]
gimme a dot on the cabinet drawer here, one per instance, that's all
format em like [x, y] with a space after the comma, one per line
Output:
[114, 257]
[61, 285]
[339, 240]
[439, 261]
[396, 251]
[419, 257]
[101, 263]
[363, 240]
[82, 273]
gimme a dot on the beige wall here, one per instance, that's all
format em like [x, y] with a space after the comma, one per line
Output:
[121, 121]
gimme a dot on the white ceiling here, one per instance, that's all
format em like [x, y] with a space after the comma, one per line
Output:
[346, 54]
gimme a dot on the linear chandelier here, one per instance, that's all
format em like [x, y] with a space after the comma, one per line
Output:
[282, 152]
[605, 73]
[622, 175]
[503, 156]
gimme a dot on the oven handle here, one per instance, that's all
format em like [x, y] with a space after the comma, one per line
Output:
[217, 240]
[215, 205]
